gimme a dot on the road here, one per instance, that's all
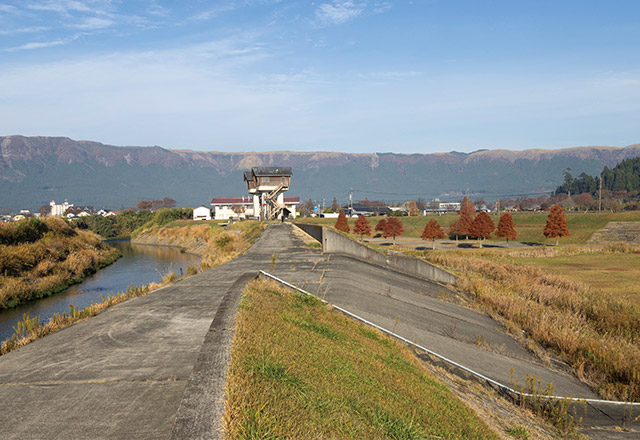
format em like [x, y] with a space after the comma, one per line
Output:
[154, 367]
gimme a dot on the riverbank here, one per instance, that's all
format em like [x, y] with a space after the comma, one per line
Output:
[41, 258]
[216, 244]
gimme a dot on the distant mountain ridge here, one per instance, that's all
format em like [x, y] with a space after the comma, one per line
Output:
[35, 170]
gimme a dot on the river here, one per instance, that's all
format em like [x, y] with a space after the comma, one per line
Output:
[140, 264]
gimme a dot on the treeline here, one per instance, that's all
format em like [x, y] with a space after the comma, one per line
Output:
[124, 224]
[41, 257]
[623, 177]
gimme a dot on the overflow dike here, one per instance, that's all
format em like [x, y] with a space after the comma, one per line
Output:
[336, 243]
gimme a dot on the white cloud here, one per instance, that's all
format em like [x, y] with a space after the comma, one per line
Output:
[24, 30]
[338, 12]
[380, 8]
[36, 45]
[9, 9]
[61, 6]
[94, 23]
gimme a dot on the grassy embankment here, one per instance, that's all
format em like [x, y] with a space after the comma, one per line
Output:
[216, 244]
[529, 225]
[300, 370]
[592, 325]
[41, 258]
[221, 245]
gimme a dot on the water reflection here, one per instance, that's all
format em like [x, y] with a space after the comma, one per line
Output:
[140, 264]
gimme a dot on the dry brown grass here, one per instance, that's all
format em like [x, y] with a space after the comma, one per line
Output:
[596, 333]
[60, 258]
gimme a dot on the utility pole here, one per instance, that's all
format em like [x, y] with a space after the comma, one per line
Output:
[351, 202]
[600, 196]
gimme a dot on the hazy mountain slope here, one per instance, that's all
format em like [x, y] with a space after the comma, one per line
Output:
[34, 170]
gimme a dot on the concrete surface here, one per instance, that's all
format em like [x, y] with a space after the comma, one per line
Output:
[129, 372]
[155, 367]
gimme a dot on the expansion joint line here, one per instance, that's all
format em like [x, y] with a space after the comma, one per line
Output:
[447, 360]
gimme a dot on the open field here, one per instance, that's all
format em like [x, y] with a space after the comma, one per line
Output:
[529, 225]
[538, 292]
[317, 374]
[612, 274]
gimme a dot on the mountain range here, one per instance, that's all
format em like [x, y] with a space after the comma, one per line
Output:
[36, 170]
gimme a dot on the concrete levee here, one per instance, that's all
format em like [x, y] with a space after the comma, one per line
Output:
[333, 242]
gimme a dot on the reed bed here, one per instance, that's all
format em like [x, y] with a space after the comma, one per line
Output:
[598, 334]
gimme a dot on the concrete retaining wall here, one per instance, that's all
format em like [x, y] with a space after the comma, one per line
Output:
[313, 230]
[333, 242]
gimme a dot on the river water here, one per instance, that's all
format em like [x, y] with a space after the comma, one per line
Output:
[139, 264]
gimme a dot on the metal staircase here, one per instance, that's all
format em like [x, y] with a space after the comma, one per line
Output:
[273, 208]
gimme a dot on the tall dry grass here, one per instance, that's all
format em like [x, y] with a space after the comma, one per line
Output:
[596, 333]
[60, 257]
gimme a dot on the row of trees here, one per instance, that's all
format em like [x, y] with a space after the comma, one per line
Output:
[623, 177]
[479, 226]
[155, 205]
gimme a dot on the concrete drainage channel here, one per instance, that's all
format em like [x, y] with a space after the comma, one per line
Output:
[602, 409]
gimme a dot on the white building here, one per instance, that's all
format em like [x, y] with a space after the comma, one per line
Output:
[59, 210]
[225, 208]
[202, 213]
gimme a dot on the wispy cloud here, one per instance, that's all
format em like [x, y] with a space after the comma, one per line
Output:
[62, 6]
[24, 30]
[9, 9]
[94, 23]
[36, 45]
[338, 12]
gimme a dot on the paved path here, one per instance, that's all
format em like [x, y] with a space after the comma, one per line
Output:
[153, 367]
[123, 373]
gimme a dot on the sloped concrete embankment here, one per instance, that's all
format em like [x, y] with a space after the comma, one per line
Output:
[192, 245]
[627, 232]
[333, 242]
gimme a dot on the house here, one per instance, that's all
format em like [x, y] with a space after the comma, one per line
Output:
[202, 213]
[225, 208]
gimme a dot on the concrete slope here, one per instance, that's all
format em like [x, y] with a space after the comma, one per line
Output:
[123, 373]
[414, 309]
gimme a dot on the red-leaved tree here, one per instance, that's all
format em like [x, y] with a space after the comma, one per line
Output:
[362, 226]
[432, 230]
[506, 228]
[482, 227]
[462, 226]
[341, 223]
[381, 225]
[556, 224]
[393, 228]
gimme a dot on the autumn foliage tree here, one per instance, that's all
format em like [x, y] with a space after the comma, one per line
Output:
[432, 230]
[482, 227]
[393, 228]
[556, 224]
[507, 228]
[381, 225]
[462, 226]
[362, 226]
[341, 223]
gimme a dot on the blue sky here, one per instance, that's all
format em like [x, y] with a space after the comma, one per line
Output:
[354, 76]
